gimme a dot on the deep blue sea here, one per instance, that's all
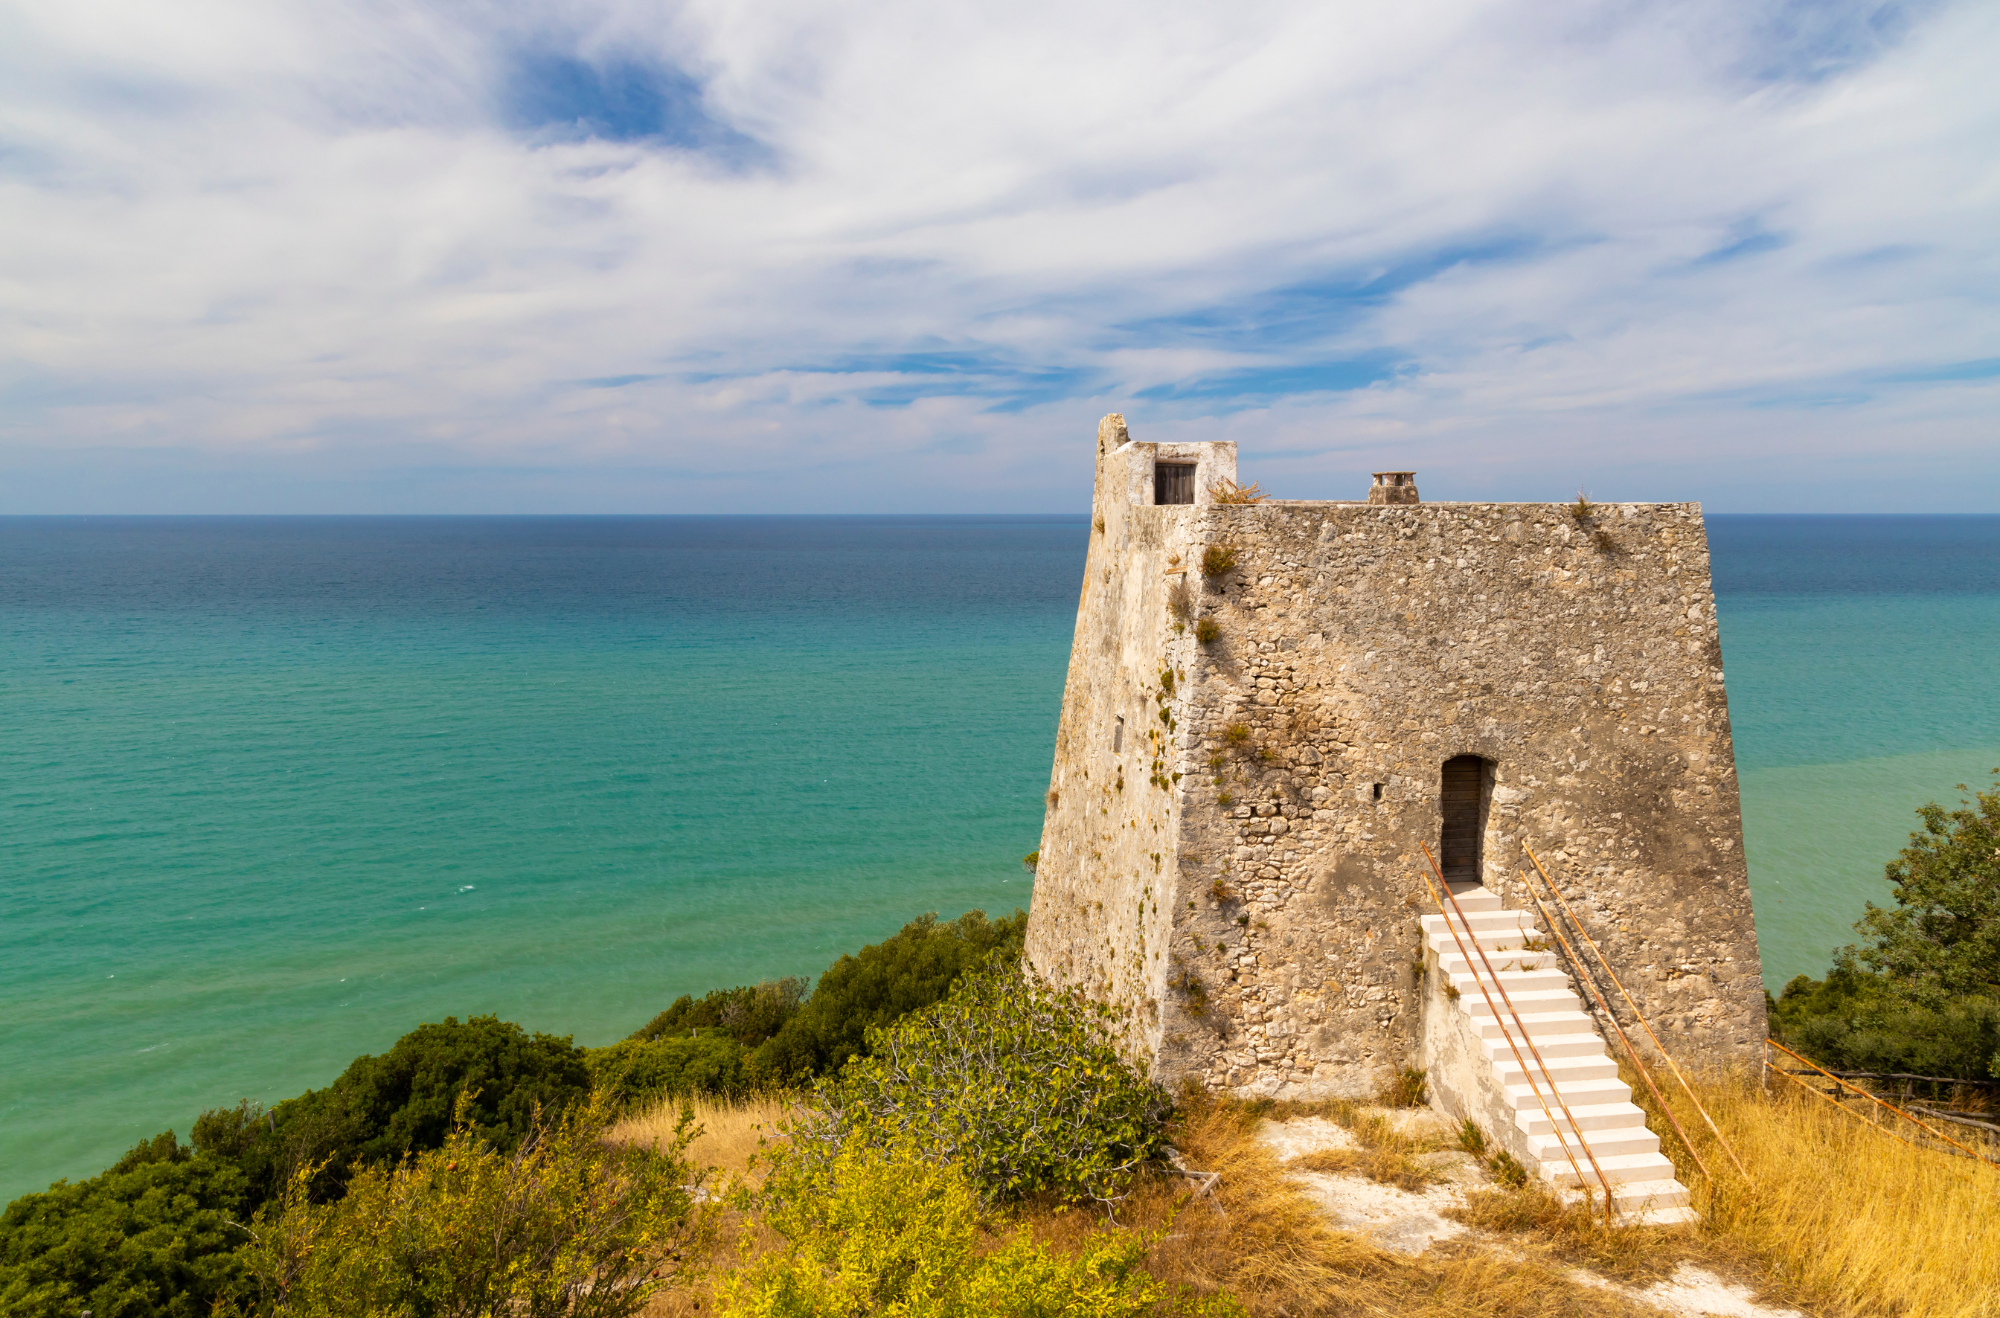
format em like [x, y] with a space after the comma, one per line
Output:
[273, 791]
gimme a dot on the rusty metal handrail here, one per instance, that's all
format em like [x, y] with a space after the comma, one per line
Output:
[1631, 1050]
[1920, 1125]
[1575, 1129]
[1640, 1016]
[1490, 1006]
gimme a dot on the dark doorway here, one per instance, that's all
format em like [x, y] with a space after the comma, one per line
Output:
[1173, 482]
[1463, 799]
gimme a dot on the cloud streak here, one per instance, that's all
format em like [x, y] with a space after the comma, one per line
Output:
[896, 256]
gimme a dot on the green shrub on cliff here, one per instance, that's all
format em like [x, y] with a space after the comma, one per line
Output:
[566, 1225]
[886, 1231]
[639, 1071]
[150, 1238]
[876, 985]
[381, 1108]
[1017, 1084]
[1921, 994]
[1857, 1021]
[749, 1015]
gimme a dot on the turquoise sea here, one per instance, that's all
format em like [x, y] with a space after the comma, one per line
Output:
[273, 791]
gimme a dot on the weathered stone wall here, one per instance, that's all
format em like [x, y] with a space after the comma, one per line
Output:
[1238, 870]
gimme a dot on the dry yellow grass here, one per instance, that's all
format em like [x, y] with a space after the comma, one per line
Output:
[731, 1130]
[1261, 1238]
[1843, 1218]
[1844, 1222]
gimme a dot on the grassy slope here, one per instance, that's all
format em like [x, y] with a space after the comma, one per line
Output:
[1843, 1221]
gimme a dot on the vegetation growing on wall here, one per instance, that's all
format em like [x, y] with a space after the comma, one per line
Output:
[1228, 491]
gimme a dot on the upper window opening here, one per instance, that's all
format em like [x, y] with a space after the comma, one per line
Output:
[1118, 735]
[1173, 482]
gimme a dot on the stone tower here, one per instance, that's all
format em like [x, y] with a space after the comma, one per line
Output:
[1271, 705]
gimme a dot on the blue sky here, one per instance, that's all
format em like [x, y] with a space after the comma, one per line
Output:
[411, 257]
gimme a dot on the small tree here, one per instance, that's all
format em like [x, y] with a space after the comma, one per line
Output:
[1014, 1082]
[564, 1226]
[749, 1014]
[1941, 941]
[1922, 993]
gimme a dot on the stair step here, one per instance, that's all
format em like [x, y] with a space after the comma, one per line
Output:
[1562, 1070]
[1479, 921]
[1487, 933]
[1618, 1168]
[1550, 1046]
[1507, 959]
[1653, 1203]
[1526, 1002]
[1539, 1024]
[1588, 1116]
[1514, 981]
[1603, 1143]
[1521, 1097]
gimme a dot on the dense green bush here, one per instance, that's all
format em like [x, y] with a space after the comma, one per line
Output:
[381, 1108]
[566, 1225]
[886, 1231]
[404, 1099]
[151, 1235]
[1857, 1021]
[883, 981]
[1921, 994]
[150, 1238]
[1012, 1081]
[749, 1015]
[640, 1071]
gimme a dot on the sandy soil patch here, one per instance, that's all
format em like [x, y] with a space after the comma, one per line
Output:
[1406, 1221]
[1691, 1292]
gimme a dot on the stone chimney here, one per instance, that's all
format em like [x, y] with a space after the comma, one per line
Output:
[1394, 487]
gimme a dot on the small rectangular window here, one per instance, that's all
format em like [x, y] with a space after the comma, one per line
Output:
[1173, 482]
[1118, 735]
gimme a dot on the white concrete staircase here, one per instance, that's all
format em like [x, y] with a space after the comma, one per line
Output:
[1582, 1071]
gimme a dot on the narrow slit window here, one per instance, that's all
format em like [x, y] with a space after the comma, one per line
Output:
[1173, 482]
[1118, 735]
[1462, 798]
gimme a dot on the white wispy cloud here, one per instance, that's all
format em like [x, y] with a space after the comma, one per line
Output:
[897, 256]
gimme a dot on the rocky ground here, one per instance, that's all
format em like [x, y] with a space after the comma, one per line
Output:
[1412, 1221]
